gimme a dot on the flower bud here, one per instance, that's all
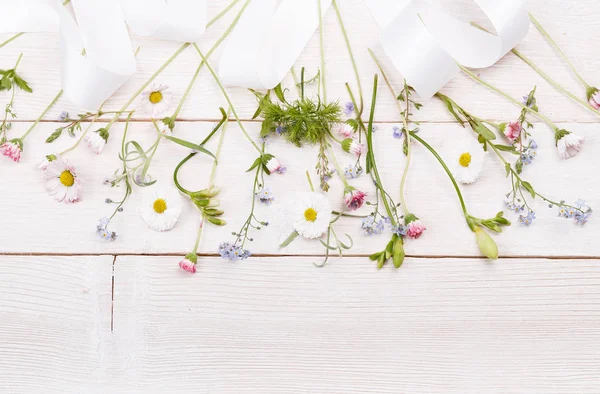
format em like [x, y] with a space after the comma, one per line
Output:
[486, 244]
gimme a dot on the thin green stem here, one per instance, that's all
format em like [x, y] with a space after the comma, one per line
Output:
[337, 167]
[310, 184]
[558, 50]
[42, 115]
[554, 83]
[500, 92]
[352, 59]
[85, 132]
[199, 235]
[11, 39]
[448, 172]
[231, 107]
[213, 171]
[18, 61]
[322, 53]
[222, 13]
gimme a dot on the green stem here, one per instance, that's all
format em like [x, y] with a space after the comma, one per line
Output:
[222, 13]
[359, 110]
[42, 115]
[176, 172]
[18, 61]
[232, 108]
[322, 53]
[558, 50]
[337, 167]
[443, 164]
[199, 235]
[310, 184]
[500, 92]
[554, 83]
[218, 153]
[85, 132]
[11, 39]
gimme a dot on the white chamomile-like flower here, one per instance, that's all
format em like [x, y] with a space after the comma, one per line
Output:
[62, 181]
[95, 142]
[311, 215]
[161, 209]
[467, 161]
[156, 100]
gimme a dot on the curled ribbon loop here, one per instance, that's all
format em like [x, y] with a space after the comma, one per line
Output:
[267, 42]
[176, 20]
[90, 77]
[428, 58]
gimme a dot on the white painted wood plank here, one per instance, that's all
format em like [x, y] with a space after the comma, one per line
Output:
[571, 23]
[273, 325]
[55, 317]
[33, 221]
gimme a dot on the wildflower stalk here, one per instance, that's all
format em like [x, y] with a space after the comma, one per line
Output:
[210, 51]
[549, 122]
[11, 39]
[322, 48]
[558, 50]
[231, 106]
[85, 132]
[42, 115]
[337, 167]
[359, 109]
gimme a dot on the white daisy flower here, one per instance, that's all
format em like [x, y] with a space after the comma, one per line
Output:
[161, 209]
[569, 145]
[62, 181]
[95, 141]
[311, 215]
[156, 100]
[467, 161]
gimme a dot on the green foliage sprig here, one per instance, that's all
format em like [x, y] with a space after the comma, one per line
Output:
[11, 81]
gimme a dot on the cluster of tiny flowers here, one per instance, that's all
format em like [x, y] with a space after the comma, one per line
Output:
[233, 252]
[265, 196]
[581, 213]
[514, 205]
[397, 132]
[103, 232]
[529, 153]
[64, 115]
[372, 226]
[352, 171]
[527, 219]
[349, 108]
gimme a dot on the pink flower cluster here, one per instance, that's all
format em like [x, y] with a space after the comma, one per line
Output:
[11, 150]
[512, 131]
[354, 198]
[415, 229]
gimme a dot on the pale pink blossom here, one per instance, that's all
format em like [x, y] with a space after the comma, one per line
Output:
[415, 229]
[512, 131]
[12, 150]
[188, 266]
[354, 198]
[351, 146]
[595, 100]
[273, 165]
[346, 130]
[569, 145]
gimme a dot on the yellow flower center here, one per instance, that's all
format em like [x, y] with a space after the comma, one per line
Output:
[156, 97]
[310, 215]
[66, 178]
[465, 159]
[160, 205]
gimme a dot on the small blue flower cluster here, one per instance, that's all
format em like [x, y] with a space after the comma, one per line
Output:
[529, 153]
[514, 205]
[349, 108]
[265, 196]
[528, 219]
[103, 232]
[397, 132]
[581, 213]
[399, 230]
[233, 252]
[371, 226]
[352, 171]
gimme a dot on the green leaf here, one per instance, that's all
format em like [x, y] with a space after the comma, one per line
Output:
[506, 148]
[289, 239]
[265, 128]
[256, 163]
[484, 132]
[215, 221]
[279, 93]
[22, 84]
[527, 186]
[450, 108]
[344, 246]
[191, 145]
[54, 136]
[327, 246]
[375, 256]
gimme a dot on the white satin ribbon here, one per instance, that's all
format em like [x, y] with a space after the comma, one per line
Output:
[98, 26]
[88, 80]
[425, 44]
[267, 42]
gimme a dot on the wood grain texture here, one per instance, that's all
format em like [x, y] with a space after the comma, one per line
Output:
[430, 196]
[571, 23]
[55, 317]
[274, 325]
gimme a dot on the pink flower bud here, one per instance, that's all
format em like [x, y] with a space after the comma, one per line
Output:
[595, 100]
[189, 263]
[415, 229]
[354, 198]
[351, 146]
[11, 150]
[273, 165]
[346, 130]
[512, 131]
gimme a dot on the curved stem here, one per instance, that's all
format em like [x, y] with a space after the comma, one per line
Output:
[448, 172]
[558, 50]
[176, 172]
[213, 171]
[359, 110]
[554, 83]
[500, 92]
[42, 115]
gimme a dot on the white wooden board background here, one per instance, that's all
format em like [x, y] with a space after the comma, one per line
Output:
[79, 315]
